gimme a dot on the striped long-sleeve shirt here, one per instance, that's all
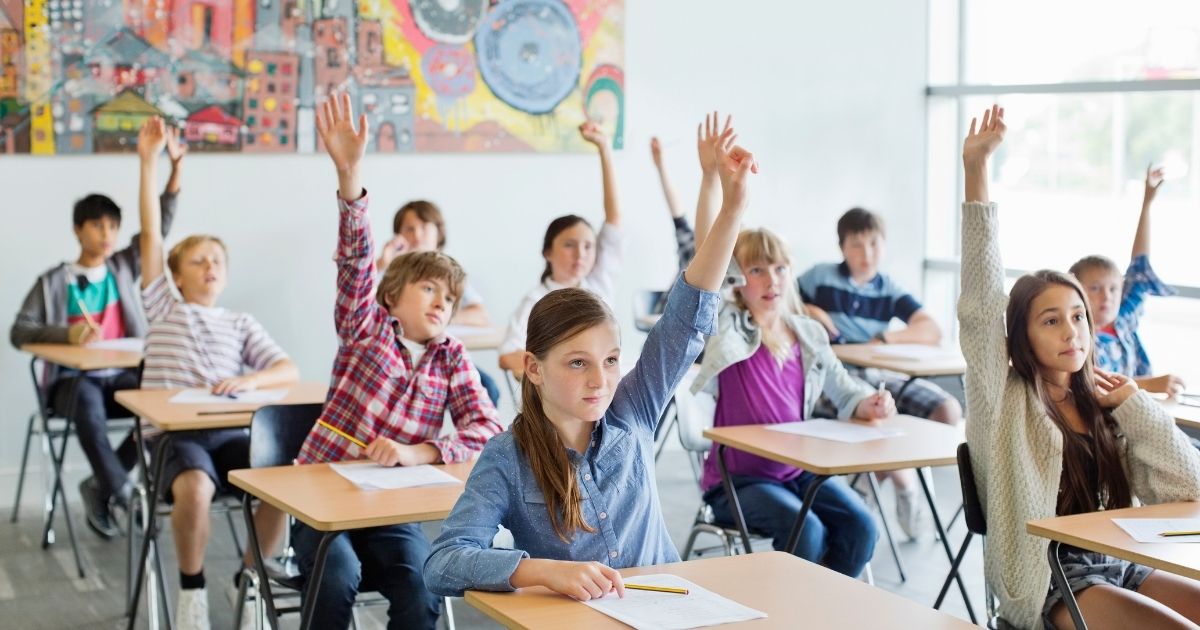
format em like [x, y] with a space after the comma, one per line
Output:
[375, 390]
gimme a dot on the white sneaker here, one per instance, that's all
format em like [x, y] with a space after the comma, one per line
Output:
[192, 611]
[909, 513]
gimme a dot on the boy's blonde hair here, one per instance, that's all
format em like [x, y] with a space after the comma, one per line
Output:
[415, 267]
[175, 256]
[758, 246]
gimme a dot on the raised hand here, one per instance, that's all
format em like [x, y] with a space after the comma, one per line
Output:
[656, 151]
[981, 142]
[734, 166]
[176, 149]
[1154, 179]
[708, 135]
[344, 144]
[592, 133]
[151, 139]
[1113, 389]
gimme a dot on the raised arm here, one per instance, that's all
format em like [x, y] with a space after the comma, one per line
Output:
[151, 140]
[713, 252]
[343, 143]
[708, 134]
[667, 188]
[612, 207]
[1141, 239]
[176, 150]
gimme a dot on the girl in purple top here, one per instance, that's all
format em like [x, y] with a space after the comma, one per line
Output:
[769, 364]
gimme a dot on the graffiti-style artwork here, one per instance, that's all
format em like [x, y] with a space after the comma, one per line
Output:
[81, 76]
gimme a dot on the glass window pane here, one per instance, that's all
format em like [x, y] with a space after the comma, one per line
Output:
[1169, 333]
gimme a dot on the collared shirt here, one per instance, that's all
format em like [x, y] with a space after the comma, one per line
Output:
[860, 311]
[1120, 350]
[615, 475]
[376, 389]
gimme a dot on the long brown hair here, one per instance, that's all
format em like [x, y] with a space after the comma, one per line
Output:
[558, 316]
[1074, 495]
[556, 227]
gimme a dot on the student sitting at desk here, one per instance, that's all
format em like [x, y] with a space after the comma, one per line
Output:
[1051, 434]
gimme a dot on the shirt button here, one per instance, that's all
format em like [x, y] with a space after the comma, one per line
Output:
[603, 515]
[587, 476]
[612, 554]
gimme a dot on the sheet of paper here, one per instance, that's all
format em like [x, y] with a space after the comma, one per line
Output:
[371, 476]
[836, 431]
[206, 397]
[125, 344]
[913, 351]
[459, 331]
[646, 610]
[1147, 530]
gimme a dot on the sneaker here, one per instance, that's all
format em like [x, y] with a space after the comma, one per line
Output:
[192, 611]
[909, 513]
[862, 486]
[249, 603]
[95, 505]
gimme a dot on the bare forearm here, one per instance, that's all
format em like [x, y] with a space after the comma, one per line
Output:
[172, 186]
[612, 207]
[150, 214]
[349, 187]
[1141, 239]
[278, 373]
[924, 332]
[712, 256]
[669, 193]
[513, 362]
[976, 181]
[706, 205]
[530, 572]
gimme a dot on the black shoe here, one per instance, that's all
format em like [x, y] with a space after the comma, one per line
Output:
[95, 505]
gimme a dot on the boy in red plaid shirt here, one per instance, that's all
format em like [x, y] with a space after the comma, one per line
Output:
[395, 376]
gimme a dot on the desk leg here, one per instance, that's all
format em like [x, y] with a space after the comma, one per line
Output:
[57, 491]
[809, 496]
[151, 533]
[937, 522]
[314, 581]
[887, 529]
[731, 495]
[264, 581]
[1060, 580]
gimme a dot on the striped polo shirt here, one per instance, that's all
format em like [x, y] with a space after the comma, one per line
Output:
[860, 311]
[189, 345]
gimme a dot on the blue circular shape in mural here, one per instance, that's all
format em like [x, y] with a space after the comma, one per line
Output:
[529, 53]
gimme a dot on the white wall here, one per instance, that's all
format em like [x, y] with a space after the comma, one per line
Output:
[828, 95]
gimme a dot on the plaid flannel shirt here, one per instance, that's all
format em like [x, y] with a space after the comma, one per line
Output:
[375, 390]
[1123, 352]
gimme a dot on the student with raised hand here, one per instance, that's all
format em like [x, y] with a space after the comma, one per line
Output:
[194, 343]
[574, 477]
[395, 377]
[1118, 303]
[92, 299]
[575, 255]
[1051, 434]
[685, 236]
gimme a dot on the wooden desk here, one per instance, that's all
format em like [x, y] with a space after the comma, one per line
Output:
[477, 337]
[924, 443]
[1185, 415]
[794, 594]
[329, 503]
[82, 358]
[154, 406]
[948, 362]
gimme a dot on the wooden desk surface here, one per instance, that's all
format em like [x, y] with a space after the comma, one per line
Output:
[326, 501]
[794, 594]
[154, 407]
[924, 443]
[82, 357]
[477, 337]
[1095, 531]
[1185, 415]
[948, 362]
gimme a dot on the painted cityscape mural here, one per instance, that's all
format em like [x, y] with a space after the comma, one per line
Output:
[81, 76]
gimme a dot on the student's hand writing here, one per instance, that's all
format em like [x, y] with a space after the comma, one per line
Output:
[877, 406]
[1169, 384]
[708, 136]
[387, 452]
[582, 580]
[656, 151]
[81, 333]
[151, 139]
[982, 141]
[176, 149]
[243, 383]
[1112, 390]
[734, 165]
[1154, 179]
[594, 134]
[344, 144]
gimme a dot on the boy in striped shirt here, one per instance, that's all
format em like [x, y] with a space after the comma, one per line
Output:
[396, 375]
[194, 343]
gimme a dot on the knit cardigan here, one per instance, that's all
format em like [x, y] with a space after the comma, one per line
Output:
[1016, 449]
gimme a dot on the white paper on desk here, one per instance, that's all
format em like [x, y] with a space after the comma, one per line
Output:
[645, 610]
[458, 331]
[836, 431]
[206, 397]
[913, 351]
[124, 344]
[372, 476]
[1147, 530]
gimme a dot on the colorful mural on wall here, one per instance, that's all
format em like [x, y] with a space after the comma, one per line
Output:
[80, 76]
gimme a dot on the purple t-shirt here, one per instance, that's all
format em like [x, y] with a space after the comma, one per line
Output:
[757, 390]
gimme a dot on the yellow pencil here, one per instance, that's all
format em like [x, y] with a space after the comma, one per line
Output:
[1183, 533]
[656, 589]
[353, 439]
[86, 315]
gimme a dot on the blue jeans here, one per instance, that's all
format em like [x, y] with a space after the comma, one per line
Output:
[384, 559]
[839, 530]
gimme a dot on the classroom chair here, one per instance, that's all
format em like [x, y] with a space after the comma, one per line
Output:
[976, 526]
[277, 432]
[647, 303]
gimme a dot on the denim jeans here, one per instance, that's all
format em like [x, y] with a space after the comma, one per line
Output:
[384, 559]
[94, 405]
[839, 529]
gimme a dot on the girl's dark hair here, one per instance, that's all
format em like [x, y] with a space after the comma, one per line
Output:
[427, 212]
[556, 227]
[555, 318]
[1075, 492]
[94, 207]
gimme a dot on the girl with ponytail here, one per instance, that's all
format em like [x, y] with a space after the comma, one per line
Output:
[574, 477]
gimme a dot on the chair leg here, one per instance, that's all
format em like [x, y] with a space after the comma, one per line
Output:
[962, 553]
[448, 614]
[237, 540]
[691, 542]
[24, 462]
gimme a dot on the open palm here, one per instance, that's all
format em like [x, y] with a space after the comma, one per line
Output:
[982, 141]
[335, 124]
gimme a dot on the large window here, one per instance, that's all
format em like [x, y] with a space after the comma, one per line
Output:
[1094, 92]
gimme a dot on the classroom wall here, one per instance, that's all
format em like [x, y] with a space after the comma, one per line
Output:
[829, 96]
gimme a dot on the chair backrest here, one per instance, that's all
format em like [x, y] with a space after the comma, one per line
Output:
[972, 509]
[695, 414]
[646, 302]
[278, 431]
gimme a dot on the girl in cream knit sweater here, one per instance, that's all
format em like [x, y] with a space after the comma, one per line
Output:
[1051, 434]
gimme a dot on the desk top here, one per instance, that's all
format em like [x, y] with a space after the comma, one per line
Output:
[325, 501]
[477, 337]
[153, 406]
[794, 594]
[924, 443]
[945, 361]
[82, 357]
[1095, 531]
[1185, 415]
